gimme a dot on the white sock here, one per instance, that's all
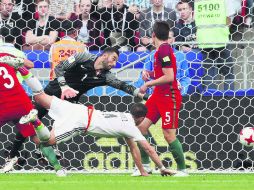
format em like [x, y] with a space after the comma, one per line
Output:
[34, 84]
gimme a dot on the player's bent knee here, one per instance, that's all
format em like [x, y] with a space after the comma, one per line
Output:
[170, 138]
[52, 141]
[169, 135]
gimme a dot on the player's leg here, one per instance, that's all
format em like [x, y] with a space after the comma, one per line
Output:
[36, 88]
[42, 139]
[23, 133]
[30, 80]
[40, 129]
[169, 126]
[14, 153]
[42, 132]
[49, 153]
[144, 156]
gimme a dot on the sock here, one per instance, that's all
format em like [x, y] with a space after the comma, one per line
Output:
[49, 153]
[42, 132]
[24, 72]
[177, 152]
[144, 156]
[19, 140]
[31, 81]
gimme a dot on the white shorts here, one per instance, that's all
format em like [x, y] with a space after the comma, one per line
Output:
[71, 120]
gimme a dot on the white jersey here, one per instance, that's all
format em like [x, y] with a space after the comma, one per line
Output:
[72, 119]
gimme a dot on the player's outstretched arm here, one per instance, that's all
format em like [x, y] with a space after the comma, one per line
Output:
[136, 156]
[154, 156]
[114, 82]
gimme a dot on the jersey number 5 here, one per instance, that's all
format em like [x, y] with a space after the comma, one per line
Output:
[10, 81]
[167, 114]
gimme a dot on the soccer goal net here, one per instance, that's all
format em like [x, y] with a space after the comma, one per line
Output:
[217, 82]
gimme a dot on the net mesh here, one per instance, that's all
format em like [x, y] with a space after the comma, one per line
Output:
[218, 98]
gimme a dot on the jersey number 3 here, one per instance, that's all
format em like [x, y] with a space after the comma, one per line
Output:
[9, 79]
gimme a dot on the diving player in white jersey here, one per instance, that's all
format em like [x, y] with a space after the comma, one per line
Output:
[73, 119]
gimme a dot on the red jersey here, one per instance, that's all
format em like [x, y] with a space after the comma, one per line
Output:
[164, 58]
[166, 99]
[14, 102]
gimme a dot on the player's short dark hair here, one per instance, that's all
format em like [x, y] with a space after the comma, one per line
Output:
[69, 26]
[138, 110]
[111, 50]
[7, 33]
[161, 30]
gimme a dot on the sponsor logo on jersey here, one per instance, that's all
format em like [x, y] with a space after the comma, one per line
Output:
[166, 59]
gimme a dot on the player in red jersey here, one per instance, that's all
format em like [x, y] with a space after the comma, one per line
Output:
[15, 103]
[166, 100]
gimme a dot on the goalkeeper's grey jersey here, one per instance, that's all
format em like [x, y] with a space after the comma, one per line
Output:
[79, 73]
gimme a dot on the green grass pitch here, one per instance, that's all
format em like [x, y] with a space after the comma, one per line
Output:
[126, 182]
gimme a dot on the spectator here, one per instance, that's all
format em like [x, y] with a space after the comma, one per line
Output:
[147, 18]
[67, 46]
[89, 33]
[249, 12]
[43, 32]
[135, 9]
[233, 8]
[25, 8]
[104, 4]
[13, 19]
[185, 28]
[62, 9]
[119, 26]
[171, 4]
[141, 4]
[182, 68]
[239, 13]
[213, 36]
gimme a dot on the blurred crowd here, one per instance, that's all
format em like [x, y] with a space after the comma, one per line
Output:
[122, 23]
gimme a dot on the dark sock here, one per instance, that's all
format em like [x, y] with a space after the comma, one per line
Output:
[177, 152]
[144, 156]
[18, 141]
[49, 153]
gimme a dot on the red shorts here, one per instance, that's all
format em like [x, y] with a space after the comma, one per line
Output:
[14, 113]
[163, 107]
